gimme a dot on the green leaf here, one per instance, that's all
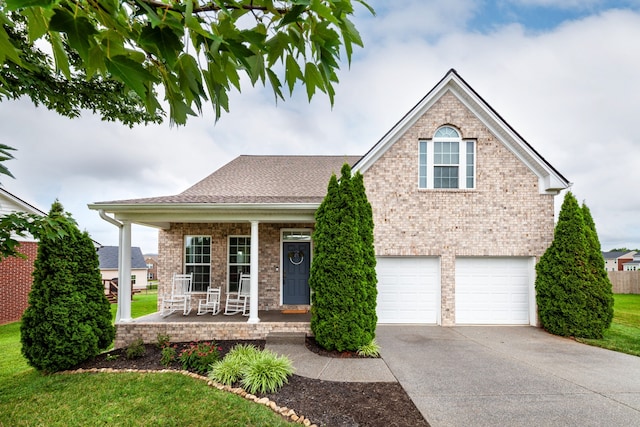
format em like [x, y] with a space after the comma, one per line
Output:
[78, 30]
[7, 50]
[293, 15]
[37, 22]
[275, 83]
[59, 54]
[293, 72]
[313, 79]
[21, 4]
[161, 41]
[131, 73]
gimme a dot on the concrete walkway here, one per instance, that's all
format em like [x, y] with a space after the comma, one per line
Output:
[310, 365]
[511, 376]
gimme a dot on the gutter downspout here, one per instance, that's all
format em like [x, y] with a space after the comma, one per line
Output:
[123, 313]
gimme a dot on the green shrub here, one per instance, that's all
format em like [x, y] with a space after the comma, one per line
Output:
[168, 355]
[135, 349]
[342, 276]
[370, 350]
[572, 297]
[228, 371]
[266, 373]
[162, 340]
[68, 317]
[199, 356]
[258, 371]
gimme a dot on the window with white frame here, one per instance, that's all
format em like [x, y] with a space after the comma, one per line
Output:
[239, 259]
[197, 260]
[446, 161]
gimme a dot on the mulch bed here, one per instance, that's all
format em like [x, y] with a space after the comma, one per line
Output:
[325, 403]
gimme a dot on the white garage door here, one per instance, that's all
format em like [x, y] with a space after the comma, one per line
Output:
[408, 289]
[493, 291]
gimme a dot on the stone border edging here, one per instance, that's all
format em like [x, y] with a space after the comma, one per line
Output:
[280, 410]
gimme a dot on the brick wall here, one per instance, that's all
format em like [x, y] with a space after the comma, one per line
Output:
[198, 331]
[171, 256]
[15, 283]
[504, 216]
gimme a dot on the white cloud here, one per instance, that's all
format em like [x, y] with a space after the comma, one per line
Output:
[571, 92]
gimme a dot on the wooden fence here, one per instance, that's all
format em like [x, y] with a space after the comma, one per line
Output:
[625, 282]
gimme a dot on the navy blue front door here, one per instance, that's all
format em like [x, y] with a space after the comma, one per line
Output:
[295, 272]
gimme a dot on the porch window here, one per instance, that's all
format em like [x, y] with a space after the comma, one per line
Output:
[197, 260]
[239, 259]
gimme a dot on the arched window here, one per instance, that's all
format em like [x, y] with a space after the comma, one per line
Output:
[446, 161]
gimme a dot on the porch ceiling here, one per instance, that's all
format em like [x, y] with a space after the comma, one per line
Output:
[162, 215]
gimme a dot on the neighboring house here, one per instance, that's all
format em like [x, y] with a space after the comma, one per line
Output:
[463, 208]
[108, 257]
[16, 273]
[633, 265]
[152, 266]
[615, 260]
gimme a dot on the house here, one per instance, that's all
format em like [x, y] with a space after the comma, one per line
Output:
[633, 265]
[152, 266]
[108, 258]
[15, 273]
[463, 208]
[615, 260]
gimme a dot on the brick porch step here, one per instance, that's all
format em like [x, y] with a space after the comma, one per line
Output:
[297, 338]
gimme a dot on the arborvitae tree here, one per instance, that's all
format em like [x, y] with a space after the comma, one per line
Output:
[565, 282]
[601, 292]
[68, 319]
[365, 228]
[340, 314]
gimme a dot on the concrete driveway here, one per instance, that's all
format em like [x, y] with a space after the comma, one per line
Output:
[511, 376]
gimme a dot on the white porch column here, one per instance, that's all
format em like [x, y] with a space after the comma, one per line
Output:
[123, 313]
[253, 294]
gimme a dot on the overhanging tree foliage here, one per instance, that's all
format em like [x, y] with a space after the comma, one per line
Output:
[344, 286]
[572, 299]
[68, 319]
[193, 50]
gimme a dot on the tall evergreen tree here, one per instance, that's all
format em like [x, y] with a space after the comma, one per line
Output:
[340, 314]
[601, 292]
[68, 319]
[565, 281]
[365, 228]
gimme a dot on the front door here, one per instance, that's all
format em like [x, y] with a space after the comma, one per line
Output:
[295, 272]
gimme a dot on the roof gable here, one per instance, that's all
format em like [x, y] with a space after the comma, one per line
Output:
[550, 180]
[108, 257]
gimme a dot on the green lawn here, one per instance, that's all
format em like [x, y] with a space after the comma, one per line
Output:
[624, 334]
[145, 302]
[28, 398]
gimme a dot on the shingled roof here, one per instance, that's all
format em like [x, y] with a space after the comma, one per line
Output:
[108, 258]
[261, 179]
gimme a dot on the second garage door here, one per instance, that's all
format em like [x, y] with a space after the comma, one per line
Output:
[493, 291]
[408, 289]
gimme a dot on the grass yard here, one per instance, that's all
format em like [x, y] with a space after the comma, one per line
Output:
[28, 398]
[145, 302]
[624, 334]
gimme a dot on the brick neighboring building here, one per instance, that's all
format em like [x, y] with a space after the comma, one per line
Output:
[16, 273]
[463, 209]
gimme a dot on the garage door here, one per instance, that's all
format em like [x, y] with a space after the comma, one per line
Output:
[493, 291]
[408, 289]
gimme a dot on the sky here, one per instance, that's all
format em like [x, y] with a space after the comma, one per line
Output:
[565, 74]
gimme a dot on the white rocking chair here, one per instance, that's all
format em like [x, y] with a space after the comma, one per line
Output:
[179, 297]
[211, 304]
[239, 301]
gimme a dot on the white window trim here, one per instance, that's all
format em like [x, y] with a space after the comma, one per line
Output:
[184, 252]
[462, 163]
[228, 262]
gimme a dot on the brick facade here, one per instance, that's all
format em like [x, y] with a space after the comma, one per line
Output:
[505, 215]
[15, 283]
[171, 256]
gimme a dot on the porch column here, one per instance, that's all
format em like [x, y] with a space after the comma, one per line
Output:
[253, 293]
[123, 313]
